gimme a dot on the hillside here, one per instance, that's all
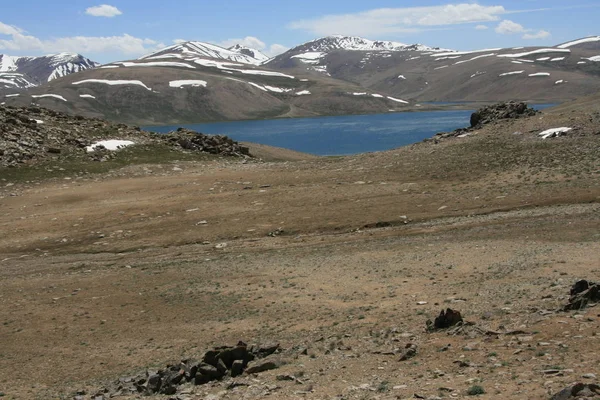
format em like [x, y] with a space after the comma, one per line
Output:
[324, 277]
[420, 74]
[27, 72]
[168, 88]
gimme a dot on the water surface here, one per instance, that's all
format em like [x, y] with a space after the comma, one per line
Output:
[340, 135]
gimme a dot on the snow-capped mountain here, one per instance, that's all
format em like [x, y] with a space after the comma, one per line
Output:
[256, 54]
[193, 50]
[26, 72]
[315, 55]
[353, 43]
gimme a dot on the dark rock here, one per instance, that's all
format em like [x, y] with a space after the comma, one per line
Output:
[409, 352]
[578, 391]
[446, 319]
[210, 371]
[582, 294]
[265, 364]
[237, 368]
[154, 383]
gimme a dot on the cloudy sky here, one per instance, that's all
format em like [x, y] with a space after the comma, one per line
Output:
[125, 29]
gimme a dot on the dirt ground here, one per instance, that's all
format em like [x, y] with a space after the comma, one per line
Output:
[104, 275]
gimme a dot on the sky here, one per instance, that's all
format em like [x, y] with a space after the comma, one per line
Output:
[126, 29]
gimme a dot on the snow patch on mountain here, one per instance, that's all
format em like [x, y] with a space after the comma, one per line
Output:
[157, 64]
[56, 96]
[579, 41]
[193, 83]
[538, 51]
[113, 82]
[511, 73]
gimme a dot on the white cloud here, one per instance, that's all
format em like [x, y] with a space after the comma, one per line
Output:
[508, 27]
[481, 27]
[103, 10]
[538, 35]
[256, 43]
[276, 49]
[397, 20]
[8, 29]
[248, 41]
[125, 44]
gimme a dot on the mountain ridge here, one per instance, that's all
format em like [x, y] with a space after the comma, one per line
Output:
[23, 72]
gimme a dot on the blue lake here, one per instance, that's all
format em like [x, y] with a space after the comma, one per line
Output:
[341, 135]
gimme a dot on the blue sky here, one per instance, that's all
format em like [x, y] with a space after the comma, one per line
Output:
[125, 29]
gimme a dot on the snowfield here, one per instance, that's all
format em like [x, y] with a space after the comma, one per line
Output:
[511, 73]
[12, 95]
[193, 83]
[303, 93]
[579, 41]
[157, 64]
[530, 53]
[86, 96]
[111, 145]
[397, 100]
[554, 132]
[56, 96]
[112, 82]
[475, 58]
[462, 53]
[540, 74]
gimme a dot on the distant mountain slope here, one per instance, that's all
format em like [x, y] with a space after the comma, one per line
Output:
[195, 81]
[190, 50]
[422, 73]
[26, 72]
[179, 89]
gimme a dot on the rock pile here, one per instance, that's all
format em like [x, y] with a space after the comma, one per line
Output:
[582, 294]
[216, 364]
[29, 135]
[509, 110]
[490, 114]
[213, 144]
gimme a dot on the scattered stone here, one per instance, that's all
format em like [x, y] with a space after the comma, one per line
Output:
[409, 352]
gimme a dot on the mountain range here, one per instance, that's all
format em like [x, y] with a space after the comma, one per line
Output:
[27, 72]
[196, 81]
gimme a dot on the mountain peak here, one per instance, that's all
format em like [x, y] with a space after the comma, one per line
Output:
[194, 49]
[249, 51]
[25, 72]
[355, 43]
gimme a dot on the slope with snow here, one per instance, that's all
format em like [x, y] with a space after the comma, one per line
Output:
[191, 50]
[27, 72]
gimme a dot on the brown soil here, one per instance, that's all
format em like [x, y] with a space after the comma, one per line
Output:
[103, 275]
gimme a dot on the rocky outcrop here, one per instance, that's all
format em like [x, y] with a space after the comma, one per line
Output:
[29, 135]
[490, 114]
[496, 112]
[213, 144]
[216, 364]
[582, 294]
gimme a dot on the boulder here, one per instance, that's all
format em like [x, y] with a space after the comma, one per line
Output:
[583, 293]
